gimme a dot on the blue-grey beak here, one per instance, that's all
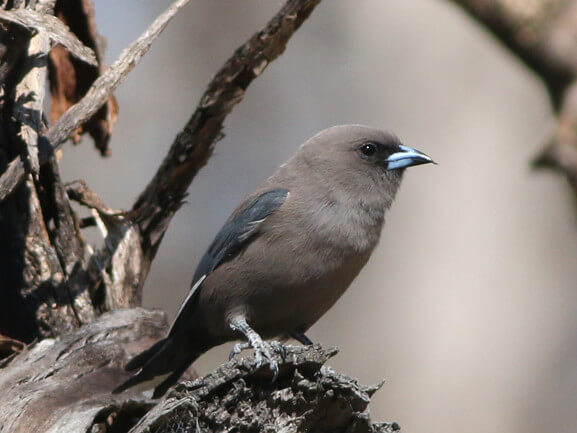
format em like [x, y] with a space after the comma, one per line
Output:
[407, 157]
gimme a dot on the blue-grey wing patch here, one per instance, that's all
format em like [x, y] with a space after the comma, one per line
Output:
[232, 238]
[238, 230]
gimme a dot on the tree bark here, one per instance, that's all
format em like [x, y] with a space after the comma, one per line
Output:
[68, 312]
[68, 316]
[63, 385]
[308, 396]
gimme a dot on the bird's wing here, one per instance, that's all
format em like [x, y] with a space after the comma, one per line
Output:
[235, 235]
[239, 228]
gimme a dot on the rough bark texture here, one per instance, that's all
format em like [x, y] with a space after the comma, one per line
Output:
[96, 96]
[307, 397]
[40, 243]
[63, 384]
[65, 330]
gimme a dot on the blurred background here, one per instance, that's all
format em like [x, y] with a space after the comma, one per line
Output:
[468, 306]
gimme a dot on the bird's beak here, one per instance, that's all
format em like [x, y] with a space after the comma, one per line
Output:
[406, 157]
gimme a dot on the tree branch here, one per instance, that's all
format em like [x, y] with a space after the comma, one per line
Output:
[543, 35]
[50, 27]
[64, 385]
[193, 146]
[95, 98]
[533, 31]
[30, 91]
[307, 396]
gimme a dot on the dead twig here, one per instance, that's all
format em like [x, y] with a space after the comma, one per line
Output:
[52, 28]
[30, 91]
[95, 98]
[193, 146]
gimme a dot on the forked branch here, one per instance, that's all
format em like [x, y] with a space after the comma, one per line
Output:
[94, 99]
[194, 144]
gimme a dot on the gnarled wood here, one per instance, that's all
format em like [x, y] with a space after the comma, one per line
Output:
[59, 287]
[94, 99]
[307, 397]
[63, 385]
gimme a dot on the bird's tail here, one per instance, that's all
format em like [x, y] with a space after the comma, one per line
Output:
[161, 358]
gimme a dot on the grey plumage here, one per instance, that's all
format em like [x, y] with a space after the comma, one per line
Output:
[288, 251]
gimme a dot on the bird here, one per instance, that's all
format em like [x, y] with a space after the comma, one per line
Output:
[287, 253]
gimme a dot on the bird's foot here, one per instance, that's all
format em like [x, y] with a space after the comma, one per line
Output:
[277, 346]
[263, 350]
[263, 353]
[237, 348]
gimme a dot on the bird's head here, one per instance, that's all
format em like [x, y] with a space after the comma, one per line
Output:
[360, 155]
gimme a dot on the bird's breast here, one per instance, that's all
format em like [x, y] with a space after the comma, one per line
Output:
[297, 266]
[347, 226]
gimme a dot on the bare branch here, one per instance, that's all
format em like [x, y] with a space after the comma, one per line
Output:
[50, 27]
[71, 78]
[193, 146]
[9, 346]
[95, 98]
[81, 193]
[30, 91]
[560, 153]
[541, 34]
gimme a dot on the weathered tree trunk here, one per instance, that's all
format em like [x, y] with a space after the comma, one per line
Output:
[63, 384]
[68, 321]
[45, 286]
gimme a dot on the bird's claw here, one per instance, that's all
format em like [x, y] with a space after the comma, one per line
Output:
[263, 353]
[279, 348]
[238, 348]
[262, 349]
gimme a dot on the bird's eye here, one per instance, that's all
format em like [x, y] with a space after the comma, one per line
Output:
[369, 149]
